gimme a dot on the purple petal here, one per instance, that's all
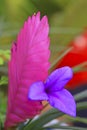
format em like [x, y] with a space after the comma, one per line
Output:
[37, 92]
[63, 101]
[59, 78]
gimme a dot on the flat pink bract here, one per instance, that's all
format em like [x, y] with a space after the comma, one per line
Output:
[29, 63]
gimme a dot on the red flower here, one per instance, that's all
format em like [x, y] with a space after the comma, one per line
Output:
[77, 55]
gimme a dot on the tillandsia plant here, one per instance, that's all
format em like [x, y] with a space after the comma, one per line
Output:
[29, 83]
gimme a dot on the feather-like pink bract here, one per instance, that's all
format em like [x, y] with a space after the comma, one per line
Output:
[29, 63]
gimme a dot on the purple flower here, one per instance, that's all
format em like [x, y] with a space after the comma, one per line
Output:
[53, 91]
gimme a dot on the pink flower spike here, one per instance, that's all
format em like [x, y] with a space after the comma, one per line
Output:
[29, 63]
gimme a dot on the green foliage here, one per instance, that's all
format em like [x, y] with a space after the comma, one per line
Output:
[77, 119]
[1, 61]
[43, 119]
[3, 105]
[3, 80]
[4, 55]
[81, 95]
[65, 127]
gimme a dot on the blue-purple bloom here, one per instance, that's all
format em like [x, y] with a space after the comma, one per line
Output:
[54, 92]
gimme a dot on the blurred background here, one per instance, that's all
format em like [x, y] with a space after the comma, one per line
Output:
[67, 19]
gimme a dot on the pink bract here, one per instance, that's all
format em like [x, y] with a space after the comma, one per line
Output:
[29, 63]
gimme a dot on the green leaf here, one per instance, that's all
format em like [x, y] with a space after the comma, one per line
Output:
[1, 61]
[59, 58]
[66, 127]
[43, 119]
[77, 119]
[4, 80]
[79, 67]
[81, 105]
[5, 54]
[81, 95]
